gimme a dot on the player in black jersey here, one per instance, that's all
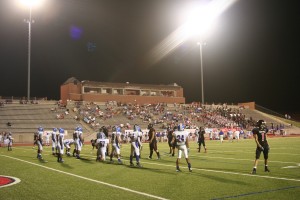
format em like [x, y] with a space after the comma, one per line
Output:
[152, 141]
[170, 138]
[260, 136]
[201, 139]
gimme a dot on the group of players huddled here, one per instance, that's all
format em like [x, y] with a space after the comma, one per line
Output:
[109, 144]
[59, 143]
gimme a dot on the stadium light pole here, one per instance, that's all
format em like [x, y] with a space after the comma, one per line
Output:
[201, 44]
[29, 4]
[200, 19]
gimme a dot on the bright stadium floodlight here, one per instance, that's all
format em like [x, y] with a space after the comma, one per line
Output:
[30, 4]
[197, 19]
[200, 19]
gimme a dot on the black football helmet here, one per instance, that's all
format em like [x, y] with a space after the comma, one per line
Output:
[261, 123]
[150, 125]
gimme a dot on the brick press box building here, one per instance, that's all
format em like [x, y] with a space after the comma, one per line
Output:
[93, 91]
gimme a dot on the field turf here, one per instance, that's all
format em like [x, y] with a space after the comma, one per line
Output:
[221, 173]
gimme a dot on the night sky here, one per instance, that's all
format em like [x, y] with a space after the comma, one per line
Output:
[251, 55]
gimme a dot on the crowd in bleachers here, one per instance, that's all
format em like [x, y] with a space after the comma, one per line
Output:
[192, 115]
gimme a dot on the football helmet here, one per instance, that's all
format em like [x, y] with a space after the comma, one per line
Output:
[54, 129]
[261, 123]
[150, 125]
[136, 128]
[40, 129]
[180, 127]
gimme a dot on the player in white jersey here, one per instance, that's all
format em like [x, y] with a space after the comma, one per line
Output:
[135, 140]
[101, 144]
[54, 141]
[78, 139]
[237, 134]
[182, 143]
[47, 136]
[60, 144]
[115, 143]
[39, 142]
[67, 144]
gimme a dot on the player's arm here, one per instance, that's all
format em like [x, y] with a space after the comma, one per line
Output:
[187, 142]
[152, 136]
[173, 139]
[256, 141]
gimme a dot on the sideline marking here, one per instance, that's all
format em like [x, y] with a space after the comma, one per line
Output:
[289, 167]
[252, 193]
[88, 179]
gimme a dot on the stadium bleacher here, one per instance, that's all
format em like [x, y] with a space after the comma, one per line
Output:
[24, 119]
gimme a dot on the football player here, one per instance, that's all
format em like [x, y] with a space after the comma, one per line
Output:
[101, 144]
[10, 141]
[47, 136]
[54, 141]
[60, 144]
[201, 139]
[170, 138]
[78, 139]
[67, 144]
[39, 142]
[180, 136]
[260, 136]
[115, 143]
[152, 141]
[136, 144]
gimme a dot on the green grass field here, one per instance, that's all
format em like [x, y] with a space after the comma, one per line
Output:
[221, 173]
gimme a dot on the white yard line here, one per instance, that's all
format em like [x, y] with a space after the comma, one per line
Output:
[85, 178]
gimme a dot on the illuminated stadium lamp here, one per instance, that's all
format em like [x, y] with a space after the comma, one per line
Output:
[200, 19]
[30, 4]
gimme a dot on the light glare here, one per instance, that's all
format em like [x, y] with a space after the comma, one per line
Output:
[31, 3]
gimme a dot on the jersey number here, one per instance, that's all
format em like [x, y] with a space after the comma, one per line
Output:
[180, 138]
